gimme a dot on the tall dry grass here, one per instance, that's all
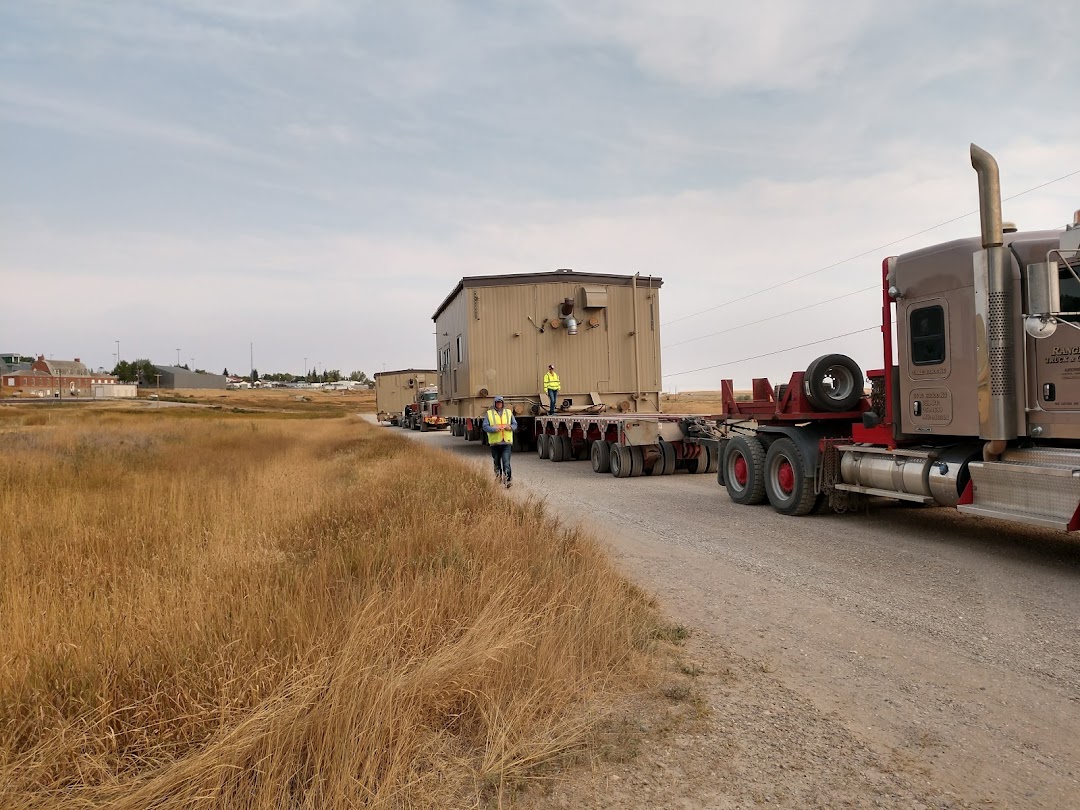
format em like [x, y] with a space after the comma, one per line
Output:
[315, 614]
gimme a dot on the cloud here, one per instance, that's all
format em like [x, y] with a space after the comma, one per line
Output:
[717, 46]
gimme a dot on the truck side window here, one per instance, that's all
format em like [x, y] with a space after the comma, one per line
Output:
[927, 327]
[1070, 292]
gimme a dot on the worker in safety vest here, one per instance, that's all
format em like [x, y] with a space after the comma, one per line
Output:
[551, 385]
[499, 425]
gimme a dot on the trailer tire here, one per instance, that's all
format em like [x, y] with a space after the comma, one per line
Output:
[555, 447]
[834, 383]
[567, 447]
[700, 465]
[637, 461]
[744, 470]
[600, 455]
[667, 456]
[789, 489]
[542, 447]
[620, 460]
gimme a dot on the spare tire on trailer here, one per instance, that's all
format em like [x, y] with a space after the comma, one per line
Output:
[834, 383]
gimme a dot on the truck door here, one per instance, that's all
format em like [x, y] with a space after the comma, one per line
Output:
[1056, 359]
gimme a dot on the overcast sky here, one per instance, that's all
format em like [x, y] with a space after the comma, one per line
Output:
[314, 176]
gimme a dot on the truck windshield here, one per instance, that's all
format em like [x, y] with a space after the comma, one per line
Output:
[429, 397]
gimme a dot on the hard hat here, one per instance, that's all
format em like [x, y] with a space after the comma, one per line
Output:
[499, 399]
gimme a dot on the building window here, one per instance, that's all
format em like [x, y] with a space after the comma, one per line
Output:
[460, 349]
[927, 336]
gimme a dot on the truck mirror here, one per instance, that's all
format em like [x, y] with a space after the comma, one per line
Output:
[1042, 298]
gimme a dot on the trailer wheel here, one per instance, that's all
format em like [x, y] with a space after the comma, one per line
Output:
[542, 448]
[667, 453]
[744, 470]
[567, 447]
[637, 461]
[620, 460]
[555, 447]
[790, 491]
[834, 383]
[600, 454]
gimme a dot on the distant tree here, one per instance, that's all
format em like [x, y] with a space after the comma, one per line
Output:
[225, 372]
[254, 375]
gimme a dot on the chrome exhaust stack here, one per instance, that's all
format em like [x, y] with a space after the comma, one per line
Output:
[995, 312]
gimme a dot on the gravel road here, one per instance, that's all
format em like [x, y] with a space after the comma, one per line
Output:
[942, 648]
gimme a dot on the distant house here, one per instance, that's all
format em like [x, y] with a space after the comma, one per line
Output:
[173, 377]
[55, 378]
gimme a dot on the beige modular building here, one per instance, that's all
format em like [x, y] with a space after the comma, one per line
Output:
[497, 335]
[396, 389]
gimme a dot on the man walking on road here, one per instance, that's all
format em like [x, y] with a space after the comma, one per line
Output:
[499, 425]
[551, 385]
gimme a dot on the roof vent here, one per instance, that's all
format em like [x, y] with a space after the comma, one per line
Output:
[1008, 227]
[564, 270]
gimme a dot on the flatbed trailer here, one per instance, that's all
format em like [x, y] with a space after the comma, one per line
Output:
[630, 445]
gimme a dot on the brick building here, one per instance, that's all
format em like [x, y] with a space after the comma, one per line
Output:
[47, 378]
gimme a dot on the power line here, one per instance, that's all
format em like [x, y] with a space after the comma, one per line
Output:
[773, 317]
[778, 351]
[864, 253]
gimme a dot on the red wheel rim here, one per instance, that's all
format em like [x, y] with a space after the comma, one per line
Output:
[741, 475]
[785, 477]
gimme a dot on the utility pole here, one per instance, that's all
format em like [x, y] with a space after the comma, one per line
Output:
[117, 342]
[60, 387]
[177, 358]
[251, 371]
[306, 370]
[157, 379]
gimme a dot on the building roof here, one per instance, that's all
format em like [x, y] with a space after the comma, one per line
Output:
[556, 277]
[30, 372]
[406, 371]
[68, 368]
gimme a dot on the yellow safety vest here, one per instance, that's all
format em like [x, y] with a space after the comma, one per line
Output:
[551, 381]
[506, 435]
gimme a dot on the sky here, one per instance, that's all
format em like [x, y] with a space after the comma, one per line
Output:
[313, 177]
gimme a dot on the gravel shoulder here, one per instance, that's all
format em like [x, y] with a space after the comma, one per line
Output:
[900, 657]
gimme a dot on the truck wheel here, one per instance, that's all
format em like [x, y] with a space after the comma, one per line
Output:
[555, 447]
[790, 491]
[637, 461]
[542, 449]
[744, 470]
[620, 460]
[600, 454]
[667, 454]
[423, 426]
[834, 383]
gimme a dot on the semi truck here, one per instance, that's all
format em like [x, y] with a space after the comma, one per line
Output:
[408, 398]
[976, 405]
[496, 335]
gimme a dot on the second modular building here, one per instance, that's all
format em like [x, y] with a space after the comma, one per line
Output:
[497, 335]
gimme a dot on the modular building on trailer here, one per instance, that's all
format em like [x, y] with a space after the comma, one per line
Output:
[496, 335]
[394, 390]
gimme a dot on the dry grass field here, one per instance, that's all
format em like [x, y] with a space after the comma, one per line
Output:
[703, 402]
[207, 610]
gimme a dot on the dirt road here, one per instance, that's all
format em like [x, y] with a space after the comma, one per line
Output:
[940, 651]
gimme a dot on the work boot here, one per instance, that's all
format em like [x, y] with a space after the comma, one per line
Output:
[508, 483]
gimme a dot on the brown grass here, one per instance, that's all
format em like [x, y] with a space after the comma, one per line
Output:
[233, 613]
[702, 402]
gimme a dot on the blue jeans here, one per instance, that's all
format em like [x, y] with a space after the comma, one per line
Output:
[552, 396]
[500, 454]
